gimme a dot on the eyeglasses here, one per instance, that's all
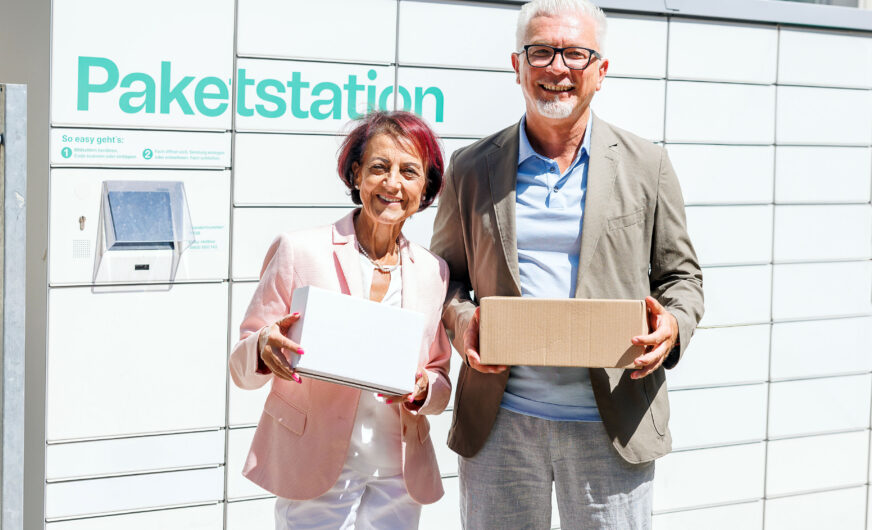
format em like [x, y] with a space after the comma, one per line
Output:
[574, 57]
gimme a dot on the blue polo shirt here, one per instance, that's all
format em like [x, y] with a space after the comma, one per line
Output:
[549, 213]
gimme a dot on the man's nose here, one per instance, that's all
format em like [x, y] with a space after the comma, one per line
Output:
[558, 64]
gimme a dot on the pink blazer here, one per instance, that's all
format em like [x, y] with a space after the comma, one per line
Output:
[302, 438]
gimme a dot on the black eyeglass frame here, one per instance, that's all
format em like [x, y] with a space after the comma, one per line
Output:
[556, 50]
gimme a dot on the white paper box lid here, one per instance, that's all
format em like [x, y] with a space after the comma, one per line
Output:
[356, 342]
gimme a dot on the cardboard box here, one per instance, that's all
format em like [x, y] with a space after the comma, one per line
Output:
[356, 342]
[561, 332]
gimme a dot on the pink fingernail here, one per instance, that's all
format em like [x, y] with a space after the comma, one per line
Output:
[411, 399]
[295, 315]
[300, 351]
[389, 401]
[296, 378]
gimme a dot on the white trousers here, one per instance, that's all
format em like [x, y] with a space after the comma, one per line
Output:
[356, 501]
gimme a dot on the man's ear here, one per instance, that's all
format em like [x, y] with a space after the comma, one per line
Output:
[516, 66]
[601, 71]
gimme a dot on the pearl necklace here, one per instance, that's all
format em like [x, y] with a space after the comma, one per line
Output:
[387, 269]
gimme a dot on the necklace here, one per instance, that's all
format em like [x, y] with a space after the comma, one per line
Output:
[387, 269]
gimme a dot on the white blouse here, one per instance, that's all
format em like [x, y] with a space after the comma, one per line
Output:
[376, 439]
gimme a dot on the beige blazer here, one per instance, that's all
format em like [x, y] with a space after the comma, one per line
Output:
[301, 442]
[634, 243]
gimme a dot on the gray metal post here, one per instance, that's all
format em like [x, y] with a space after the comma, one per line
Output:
[13, 184]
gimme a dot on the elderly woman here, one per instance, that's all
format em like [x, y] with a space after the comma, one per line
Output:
[338, 457]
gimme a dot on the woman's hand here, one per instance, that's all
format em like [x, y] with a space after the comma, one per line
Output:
[416, 398]
[271, 344]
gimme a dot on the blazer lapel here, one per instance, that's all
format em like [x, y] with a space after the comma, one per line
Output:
[502, 170]
[410, 299]
[601, 175]
[346, 255]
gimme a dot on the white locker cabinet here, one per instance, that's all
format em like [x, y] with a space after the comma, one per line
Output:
[841, 116]
[800, 49]
[75, 217]
[250, 515]
[444, 99]
[272, 28]
[288, 170]
[702, 363]
[445, 457]
[801, 171]
[819, 233]
[457, 35]
[718, 113]
[816, 463]
[815, 290]
[723, 174]
[730, 474]
[819, 405]
[133, 455]
[158, 78]
[736, 295]
[108, 495]
[717, 416]
[821, 348]
[208, 517]
[239, 487]
[135, 362]
[131, 148]
[716, 51]
[842, 509]
[246, 406]
[419, 227]
[747, 516]
[300, 96]
[254, 229]
[443, 513]
[730, 235]
[450, 145]
[636, 46]
[632, 104]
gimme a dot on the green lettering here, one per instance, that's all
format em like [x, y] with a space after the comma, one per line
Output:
[407, 98]
[275, 99]
[201, 95]
[370, 92]
[437, 96]
[243, 82]
[383, 98]
[353, 87]
[147, 93]
[168, 95]
[335, 102]
[85, 87]
[295, 84]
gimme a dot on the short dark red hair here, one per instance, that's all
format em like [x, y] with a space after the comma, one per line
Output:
[400, 125]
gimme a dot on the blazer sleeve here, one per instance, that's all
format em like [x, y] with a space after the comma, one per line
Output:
[675, 278]
[438, 359]
[270, 302]
[448, 243]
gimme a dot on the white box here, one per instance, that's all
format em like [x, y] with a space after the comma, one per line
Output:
[356, 342]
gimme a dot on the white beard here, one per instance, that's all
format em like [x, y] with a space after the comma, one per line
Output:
[554, 108]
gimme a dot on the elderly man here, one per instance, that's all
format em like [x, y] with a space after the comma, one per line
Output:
[563, 204]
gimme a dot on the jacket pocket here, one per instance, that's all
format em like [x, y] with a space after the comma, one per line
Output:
[657, 408]
[287, 415]
[623, 221]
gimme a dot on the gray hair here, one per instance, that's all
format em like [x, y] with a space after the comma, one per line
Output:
[530, 10]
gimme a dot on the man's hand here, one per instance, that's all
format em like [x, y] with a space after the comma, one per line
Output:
[470, 347]
[659, 342]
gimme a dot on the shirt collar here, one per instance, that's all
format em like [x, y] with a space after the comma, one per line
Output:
[525, 150]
